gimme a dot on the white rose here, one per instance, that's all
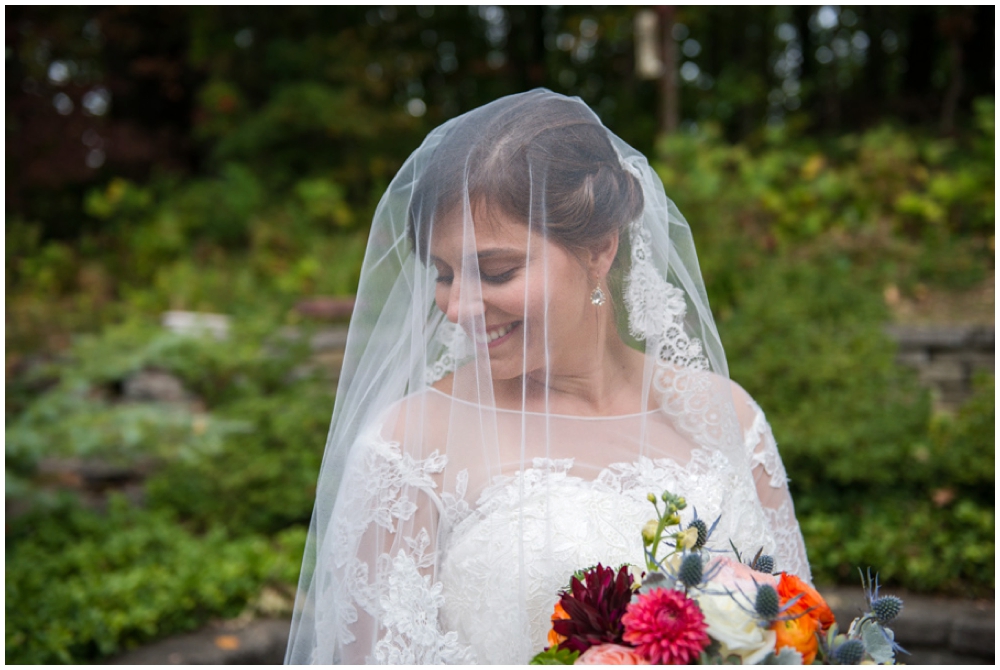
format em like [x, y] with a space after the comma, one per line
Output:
[735, 629]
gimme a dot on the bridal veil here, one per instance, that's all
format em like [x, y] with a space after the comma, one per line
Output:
[531, 353]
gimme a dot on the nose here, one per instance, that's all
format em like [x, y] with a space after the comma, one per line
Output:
[463, 302]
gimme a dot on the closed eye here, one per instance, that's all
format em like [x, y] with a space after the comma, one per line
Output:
[499, 278]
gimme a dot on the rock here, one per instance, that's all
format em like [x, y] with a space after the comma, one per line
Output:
[197, 323]
[329, 339]
[258, 642]
[154, 386]
[973, 636]
[326, 308]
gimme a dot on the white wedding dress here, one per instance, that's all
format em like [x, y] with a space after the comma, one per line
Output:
[454, 590]
[525, 272]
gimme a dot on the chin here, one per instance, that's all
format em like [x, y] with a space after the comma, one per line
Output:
[504, 372]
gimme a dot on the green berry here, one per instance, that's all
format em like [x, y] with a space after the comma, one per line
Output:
[767, 604]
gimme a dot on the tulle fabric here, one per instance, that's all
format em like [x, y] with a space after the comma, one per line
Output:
[464, 482]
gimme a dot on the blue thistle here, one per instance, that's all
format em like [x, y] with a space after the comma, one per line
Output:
[764, 563]
[851, 652]
[886, 608]
[702, 532]
[691, 570]
[767, 604]
[881, 609]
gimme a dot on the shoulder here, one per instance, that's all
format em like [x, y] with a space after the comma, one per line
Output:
[748, 412]
[414, 419]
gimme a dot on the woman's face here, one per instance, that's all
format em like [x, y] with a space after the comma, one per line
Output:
[522, 298]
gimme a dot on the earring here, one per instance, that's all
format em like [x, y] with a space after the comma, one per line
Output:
[597, 296]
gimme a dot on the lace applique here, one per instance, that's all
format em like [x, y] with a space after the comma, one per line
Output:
[450, 345]
[790, 555]
[764, 450]
[656, 308]
[403, 598]
[409, 604]
[688, 390]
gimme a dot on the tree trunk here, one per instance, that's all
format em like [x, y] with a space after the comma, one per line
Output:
[669, 90]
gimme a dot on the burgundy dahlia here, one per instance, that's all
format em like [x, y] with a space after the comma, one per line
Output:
[666, 627]
[594, 608]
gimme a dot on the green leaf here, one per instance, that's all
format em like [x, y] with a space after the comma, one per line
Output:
[555, 656]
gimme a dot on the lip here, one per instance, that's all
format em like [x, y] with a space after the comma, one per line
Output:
[514, 326]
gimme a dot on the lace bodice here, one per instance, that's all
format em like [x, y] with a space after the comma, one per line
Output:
[475, 582]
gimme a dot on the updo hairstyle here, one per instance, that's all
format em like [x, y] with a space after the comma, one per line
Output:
[541, 158]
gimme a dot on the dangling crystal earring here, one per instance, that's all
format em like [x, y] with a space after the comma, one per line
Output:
[597, 296]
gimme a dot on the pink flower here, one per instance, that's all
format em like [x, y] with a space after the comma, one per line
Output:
[666, 627]
[737, 576]
[611, 654]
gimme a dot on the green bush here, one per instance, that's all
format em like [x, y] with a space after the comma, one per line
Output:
[916, 544]
[260, 481]
[806, 341]
[82, 586]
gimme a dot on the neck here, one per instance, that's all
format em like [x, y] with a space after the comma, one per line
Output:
[588, 376]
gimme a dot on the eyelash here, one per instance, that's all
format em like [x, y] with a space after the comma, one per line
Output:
[489, 279]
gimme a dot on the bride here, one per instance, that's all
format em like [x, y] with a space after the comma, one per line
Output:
[531, 354]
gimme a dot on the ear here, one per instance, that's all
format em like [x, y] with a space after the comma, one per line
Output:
[602, 254]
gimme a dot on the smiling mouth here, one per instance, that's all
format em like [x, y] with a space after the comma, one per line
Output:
[495, 336]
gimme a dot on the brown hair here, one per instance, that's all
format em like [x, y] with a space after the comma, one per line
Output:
[537, 157]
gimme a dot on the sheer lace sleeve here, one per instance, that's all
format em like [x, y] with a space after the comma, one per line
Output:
[380, 600]
[772, 488]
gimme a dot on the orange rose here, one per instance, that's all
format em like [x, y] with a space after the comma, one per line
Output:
[800, 635]
[791, 586]
[611, 654]
[557, 614]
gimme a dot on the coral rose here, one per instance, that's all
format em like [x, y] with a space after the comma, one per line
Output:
[811, 613]
[800, 635]
[558, 614]
[611, 654]
[811, 601]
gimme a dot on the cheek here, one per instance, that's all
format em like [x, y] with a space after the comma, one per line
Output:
[441, 297]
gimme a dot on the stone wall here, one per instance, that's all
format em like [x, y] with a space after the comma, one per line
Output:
[946, 358]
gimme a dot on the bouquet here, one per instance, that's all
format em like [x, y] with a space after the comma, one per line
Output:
[695, 605]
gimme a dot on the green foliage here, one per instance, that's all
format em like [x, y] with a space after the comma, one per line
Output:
[962, 451]
[82, 586]
[555, 656]
[260, 481]
[912, 543]
[225, 510]
[923, 204]
[806, 341]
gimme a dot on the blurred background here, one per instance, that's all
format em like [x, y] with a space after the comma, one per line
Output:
[188, 195]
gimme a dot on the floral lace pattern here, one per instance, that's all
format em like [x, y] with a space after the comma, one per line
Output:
[401, 595]
[486, 593]
[764, 450]
[453, 344]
